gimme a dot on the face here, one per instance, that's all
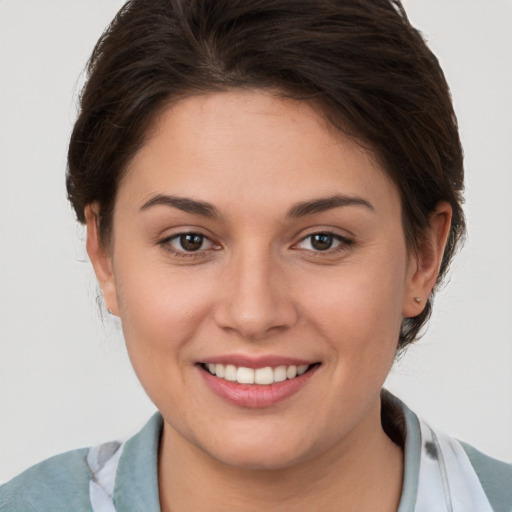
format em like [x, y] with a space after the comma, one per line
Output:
[259, 267]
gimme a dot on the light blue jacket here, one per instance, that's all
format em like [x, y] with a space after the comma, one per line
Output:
[440, 475]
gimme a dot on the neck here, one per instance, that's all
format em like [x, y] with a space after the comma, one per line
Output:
[362, 473]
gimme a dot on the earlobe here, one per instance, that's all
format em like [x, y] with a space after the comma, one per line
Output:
[425, 261]
[100, 258]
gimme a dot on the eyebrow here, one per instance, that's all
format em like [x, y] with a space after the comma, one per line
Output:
[302, 209]
[184, 204]
[326, 203]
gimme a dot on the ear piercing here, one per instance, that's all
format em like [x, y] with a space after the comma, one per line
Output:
[417, 300]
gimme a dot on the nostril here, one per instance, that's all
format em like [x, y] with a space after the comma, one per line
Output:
[253, 301]
[254, 321]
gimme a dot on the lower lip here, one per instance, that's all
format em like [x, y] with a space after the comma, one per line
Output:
[256, 396]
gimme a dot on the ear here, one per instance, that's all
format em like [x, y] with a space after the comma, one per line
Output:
[101, 259]
[425, 261]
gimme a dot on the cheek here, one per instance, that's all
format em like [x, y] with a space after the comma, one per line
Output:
[161, 311]
[359, 308]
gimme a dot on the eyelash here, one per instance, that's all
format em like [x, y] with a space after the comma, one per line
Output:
[344, 244]
[165, 244]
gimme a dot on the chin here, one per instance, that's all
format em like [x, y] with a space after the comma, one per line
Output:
[255, 460]
[261, 452]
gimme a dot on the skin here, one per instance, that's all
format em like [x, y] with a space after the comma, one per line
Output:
[257, 286]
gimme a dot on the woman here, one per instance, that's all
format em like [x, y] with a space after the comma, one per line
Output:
[272, 191]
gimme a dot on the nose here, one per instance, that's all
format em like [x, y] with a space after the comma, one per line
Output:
[255, 302]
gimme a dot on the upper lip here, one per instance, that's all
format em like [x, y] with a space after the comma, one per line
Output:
[254, 362]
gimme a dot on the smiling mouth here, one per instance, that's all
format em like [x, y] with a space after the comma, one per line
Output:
[265, 376]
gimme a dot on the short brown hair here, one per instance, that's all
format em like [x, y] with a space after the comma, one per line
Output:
[360, 61]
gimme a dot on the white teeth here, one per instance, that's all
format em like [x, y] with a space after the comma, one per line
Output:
[245, 375]
[302, 369]
[230, 372]
[262, 376]
[219, 370]
[291, 372]
[279, 374]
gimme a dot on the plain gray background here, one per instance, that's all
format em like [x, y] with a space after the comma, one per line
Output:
[65, 381]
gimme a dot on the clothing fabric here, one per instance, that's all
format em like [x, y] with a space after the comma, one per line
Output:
[441, 474]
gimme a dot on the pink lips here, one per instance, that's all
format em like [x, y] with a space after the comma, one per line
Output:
[255, 396]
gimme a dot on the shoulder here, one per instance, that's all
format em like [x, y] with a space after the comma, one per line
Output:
[124, 474]
[443, 473]
[495, 477]
[60, 483]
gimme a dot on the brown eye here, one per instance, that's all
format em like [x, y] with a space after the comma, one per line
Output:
[322, 241]
[191, 242]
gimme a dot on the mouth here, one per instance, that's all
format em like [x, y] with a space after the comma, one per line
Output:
[256, 385]
[264, 376]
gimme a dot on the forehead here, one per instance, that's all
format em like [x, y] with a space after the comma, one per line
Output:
[252, 146]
